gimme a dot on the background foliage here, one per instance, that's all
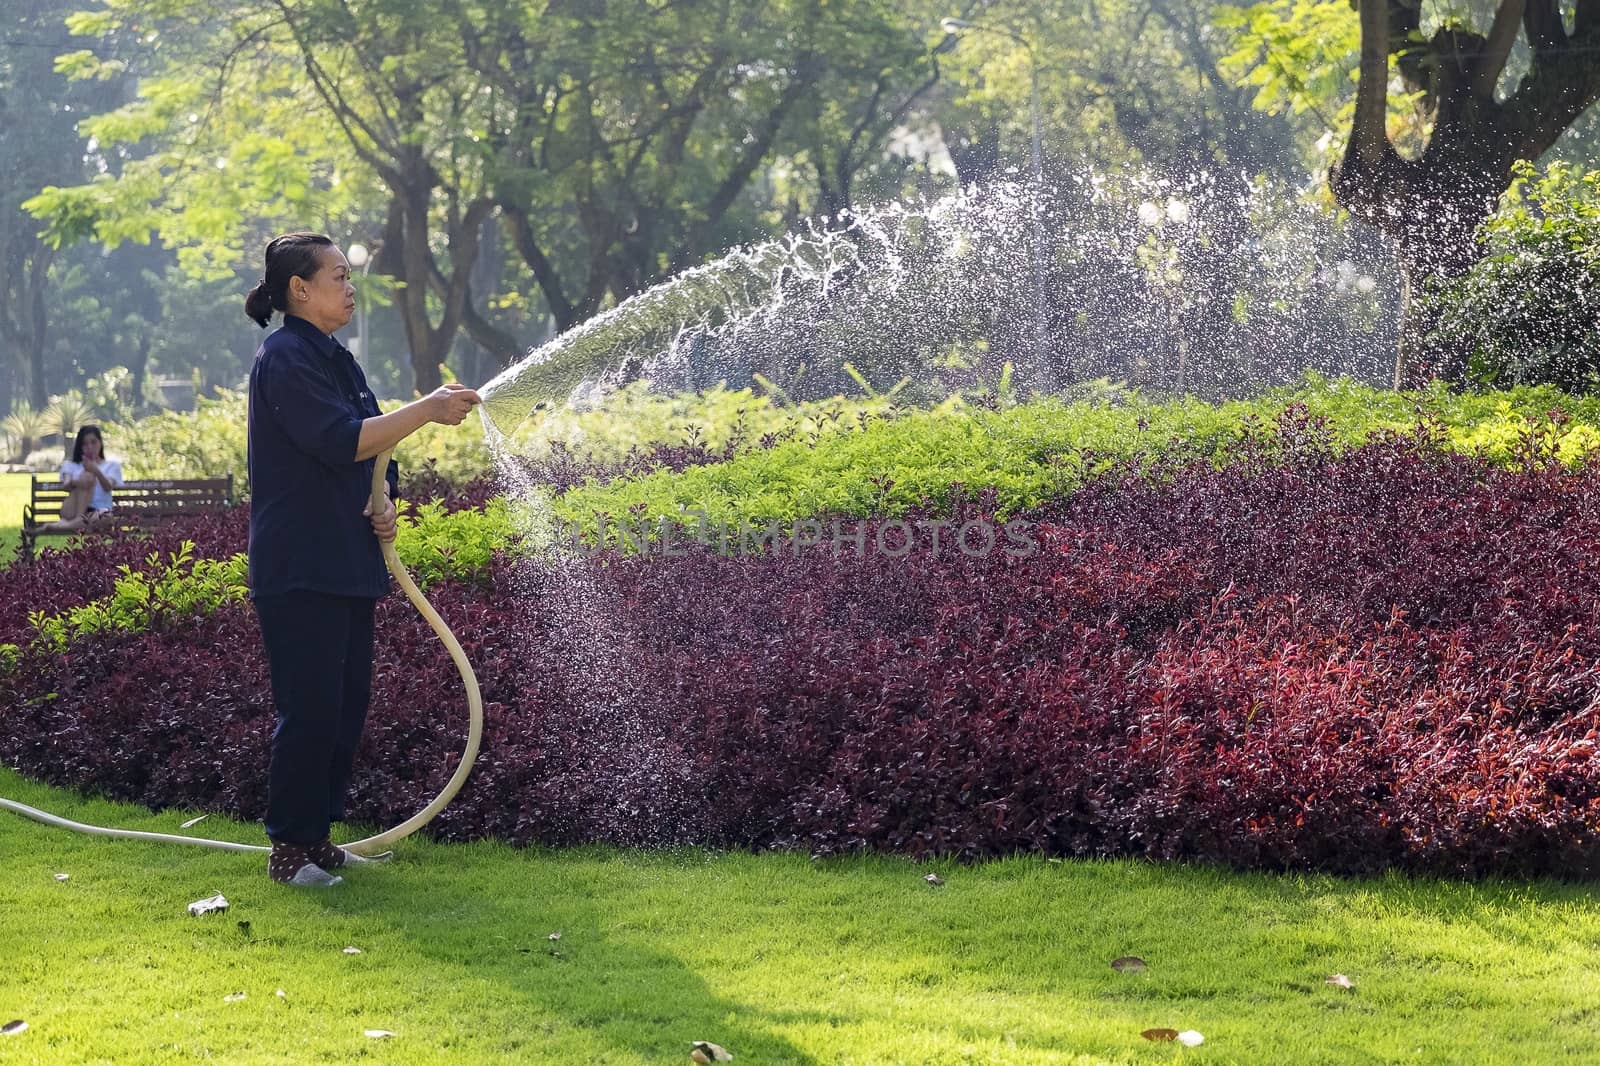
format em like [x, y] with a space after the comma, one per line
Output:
[1529, 310]
[165, 143]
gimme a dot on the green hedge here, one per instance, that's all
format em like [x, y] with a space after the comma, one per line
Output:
[633, 417]
[433, 545]
[210, 442]
[1027, 454]
[1042, 449]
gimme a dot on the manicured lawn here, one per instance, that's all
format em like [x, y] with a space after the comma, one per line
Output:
[13, 497]
[779, 959]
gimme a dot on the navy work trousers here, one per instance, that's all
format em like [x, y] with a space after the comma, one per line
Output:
[319, 649]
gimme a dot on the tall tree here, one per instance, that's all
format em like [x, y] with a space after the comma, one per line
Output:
[400, 93]
[1123, 83]
[616, 141]
[1427, 163]
[267, 115]
[1433, 203]
[638, 127]
[39, 144]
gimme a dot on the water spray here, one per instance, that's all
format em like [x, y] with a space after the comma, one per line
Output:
[373, 845]
[932, 294]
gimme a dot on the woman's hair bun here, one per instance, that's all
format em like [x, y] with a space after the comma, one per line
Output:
[258, 305]
[289, 255]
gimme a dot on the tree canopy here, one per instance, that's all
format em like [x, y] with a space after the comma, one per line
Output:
[518, 167]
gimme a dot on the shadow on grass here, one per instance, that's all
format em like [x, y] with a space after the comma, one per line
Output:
[472, 918]
[444, 928]
[777, 958]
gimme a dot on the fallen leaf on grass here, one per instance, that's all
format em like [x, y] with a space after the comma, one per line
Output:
[352, 950]
[235, 997]
[704, 1052]
[1129, 964]
[206, 906]
[934, 879]
[13, 1028]
[1340, 980]
[192, 822]
[63, 877]
[555, 936]
[378, 1034]
[1188, 1038]
[281, 994]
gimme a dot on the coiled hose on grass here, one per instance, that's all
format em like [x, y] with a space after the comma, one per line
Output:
[373, 844]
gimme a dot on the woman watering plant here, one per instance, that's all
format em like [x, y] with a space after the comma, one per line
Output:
[316, 567]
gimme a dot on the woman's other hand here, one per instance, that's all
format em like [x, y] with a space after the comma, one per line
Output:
[383, 523]
[452, 403]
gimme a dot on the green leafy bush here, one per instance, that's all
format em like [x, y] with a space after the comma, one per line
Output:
[184, 587]
[1044, 449]
[633, 418]
[435, 544]
[210, 442]
[1529, 311]
[206, 442]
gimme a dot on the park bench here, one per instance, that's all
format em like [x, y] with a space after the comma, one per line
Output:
[138, 504]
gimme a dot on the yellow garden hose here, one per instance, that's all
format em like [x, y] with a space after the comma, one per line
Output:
[372, 844]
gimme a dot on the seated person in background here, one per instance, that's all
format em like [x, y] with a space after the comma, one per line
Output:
[90, 477]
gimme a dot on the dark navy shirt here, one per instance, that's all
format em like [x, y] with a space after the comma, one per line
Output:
[308, 398]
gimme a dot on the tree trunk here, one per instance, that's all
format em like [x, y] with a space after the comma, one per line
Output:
[975, 153]
[428, 349]
[1428, 259]
[37, 327]
[140, 363]
[24, 325]
[1431, 206]
[38, 391]
[418, 271]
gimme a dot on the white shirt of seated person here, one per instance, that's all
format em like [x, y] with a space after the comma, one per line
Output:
[111, 468]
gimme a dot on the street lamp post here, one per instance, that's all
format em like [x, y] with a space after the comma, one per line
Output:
[361, 258]
[952, 28]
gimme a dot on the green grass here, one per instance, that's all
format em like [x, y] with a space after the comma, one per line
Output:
[779, 959]
[14, 490]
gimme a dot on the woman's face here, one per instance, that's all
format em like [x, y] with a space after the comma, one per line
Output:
[326, 299]
[91, 446]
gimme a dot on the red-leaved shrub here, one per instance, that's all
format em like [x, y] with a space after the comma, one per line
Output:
[1384, 659]
[68, 574]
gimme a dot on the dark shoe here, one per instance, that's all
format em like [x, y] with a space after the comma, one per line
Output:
[329, 855]
[296, 864]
